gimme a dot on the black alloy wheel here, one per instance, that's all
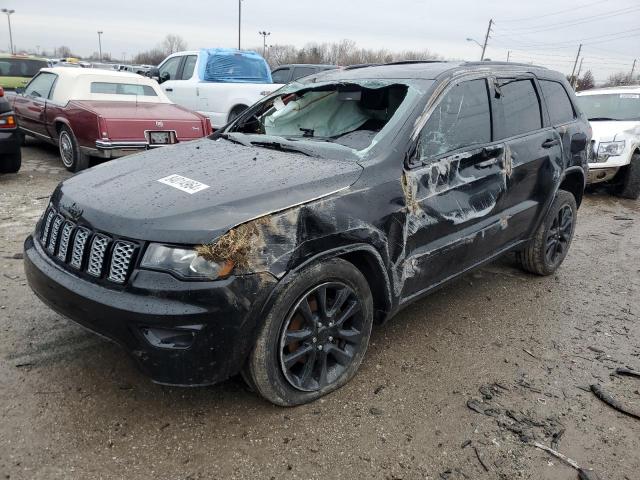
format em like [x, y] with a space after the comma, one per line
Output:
[321, 336]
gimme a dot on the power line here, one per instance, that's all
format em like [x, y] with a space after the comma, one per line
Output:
[573, 22]
[580, 40]
[524, 19]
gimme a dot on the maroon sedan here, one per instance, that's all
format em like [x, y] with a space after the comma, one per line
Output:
[99, 113]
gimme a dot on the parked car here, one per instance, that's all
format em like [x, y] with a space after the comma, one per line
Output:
[271, 247]
[289, 73]
[219, 83]
[614, 114]
[17, 70]
[10, 153]
[101, 113]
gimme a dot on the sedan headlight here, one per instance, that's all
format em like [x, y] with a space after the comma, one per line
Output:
[183, 262]
[610, 149]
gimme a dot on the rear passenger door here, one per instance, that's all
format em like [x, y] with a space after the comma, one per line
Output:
[534, 150]
[454, 187]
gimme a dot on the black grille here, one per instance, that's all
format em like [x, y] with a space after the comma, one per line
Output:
[97, 254]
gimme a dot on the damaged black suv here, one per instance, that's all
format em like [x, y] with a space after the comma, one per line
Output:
[271, 247]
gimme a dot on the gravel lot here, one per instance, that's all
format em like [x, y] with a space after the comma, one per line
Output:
[526, 349]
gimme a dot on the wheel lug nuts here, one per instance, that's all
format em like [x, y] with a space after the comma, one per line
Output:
[314, 339]
[331, 339]
[319, 325]
[319, 347]
[331, 324]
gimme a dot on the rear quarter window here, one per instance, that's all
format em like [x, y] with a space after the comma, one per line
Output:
[112, 88]
[558, 103]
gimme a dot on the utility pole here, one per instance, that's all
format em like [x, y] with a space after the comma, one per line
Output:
[633, 68]
[9, 12]
[508, 55]
[264, 34]
[100, 32]
[579, 69]
[486, 39]
[575, 64]
[239, 23]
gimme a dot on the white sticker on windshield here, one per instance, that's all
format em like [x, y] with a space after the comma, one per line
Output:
[183, 183]
[629, 95]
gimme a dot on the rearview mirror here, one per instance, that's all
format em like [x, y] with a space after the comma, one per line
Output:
[578, 143]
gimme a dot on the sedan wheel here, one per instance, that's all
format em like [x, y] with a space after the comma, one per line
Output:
[66, 149]
[72, 158]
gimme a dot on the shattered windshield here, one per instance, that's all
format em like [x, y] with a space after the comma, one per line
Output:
[618, 106]
[316, 118]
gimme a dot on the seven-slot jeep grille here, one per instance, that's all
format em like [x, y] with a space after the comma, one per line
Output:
[94, 253]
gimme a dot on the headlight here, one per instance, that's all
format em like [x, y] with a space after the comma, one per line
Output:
[610, 149]
[184, 262]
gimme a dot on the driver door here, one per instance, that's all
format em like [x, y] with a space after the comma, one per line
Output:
[456, 182]
[169, 76]
[30, 106]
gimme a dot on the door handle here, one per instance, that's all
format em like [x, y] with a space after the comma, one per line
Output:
[550, 143]
[168, 89]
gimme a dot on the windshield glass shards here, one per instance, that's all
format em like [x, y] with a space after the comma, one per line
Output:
[351, 116]
[618, 106]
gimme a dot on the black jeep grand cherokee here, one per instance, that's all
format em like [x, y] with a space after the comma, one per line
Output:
[271, 247]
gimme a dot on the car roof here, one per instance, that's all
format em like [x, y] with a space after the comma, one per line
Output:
[611, 90]
[5, 56]
[429, 70]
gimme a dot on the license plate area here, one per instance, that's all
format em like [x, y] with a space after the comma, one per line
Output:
[161, 137]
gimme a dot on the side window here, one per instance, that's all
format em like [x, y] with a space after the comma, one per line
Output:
[281, 75]
[521, 107]
[558, 103]
[189, 67]
[41, 85]
[461, 119]
[300, 72]
[169, 70]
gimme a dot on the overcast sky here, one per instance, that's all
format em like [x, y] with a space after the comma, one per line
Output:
[542, 31]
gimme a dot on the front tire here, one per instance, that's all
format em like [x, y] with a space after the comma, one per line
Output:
[315, 336]
[72, 158]
[552, 240]
[630, 187]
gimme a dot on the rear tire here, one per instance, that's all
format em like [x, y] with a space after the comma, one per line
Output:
[315, 336]
[552, 240]
[72, 158]
[630, 187]
[11, 163]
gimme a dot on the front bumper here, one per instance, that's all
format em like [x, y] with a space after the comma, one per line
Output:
[222, 317]
[599, 174]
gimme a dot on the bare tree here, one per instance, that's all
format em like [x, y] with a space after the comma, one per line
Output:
[619, 79]
[62, 52]
[172, 44]
[342, 53]
[150, 57]
[586, 82]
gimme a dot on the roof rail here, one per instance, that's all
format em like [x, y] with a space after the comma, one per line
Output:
[516, 64]
[410, 62]
[362, 65]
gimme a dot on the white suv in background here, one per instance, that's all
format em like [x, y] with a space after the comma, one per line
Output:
[614, 114]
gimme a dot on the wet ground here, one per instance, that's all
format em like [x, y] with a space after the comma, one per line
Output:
[457, 386]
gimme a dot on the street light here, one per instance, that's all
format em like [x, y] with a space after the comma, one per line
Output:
[100, 32]
[9, 12]
[239, 22]
[264, 34]
[475, 41]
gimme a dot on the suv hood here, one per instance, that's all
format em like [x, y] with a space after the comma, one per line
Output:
[125, 197]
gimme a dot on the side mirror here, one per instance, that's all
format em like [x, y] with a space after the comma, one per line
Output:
[154, 73]
[164, 77]
[578, 143]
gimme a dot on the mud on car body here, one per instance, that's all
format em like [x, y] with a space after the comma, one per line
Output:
[272, 247]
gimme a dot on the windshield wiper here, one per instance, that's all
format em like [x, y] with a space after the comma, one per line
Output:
[603, 119]
[227, 136]
[282, 148]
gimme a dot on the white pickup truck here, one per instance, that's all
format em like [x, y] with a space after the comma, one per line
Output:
[219, 83]
[614, 114]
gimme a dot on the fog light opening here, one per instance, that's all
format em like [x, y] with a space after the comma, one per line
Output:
[169, 338]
